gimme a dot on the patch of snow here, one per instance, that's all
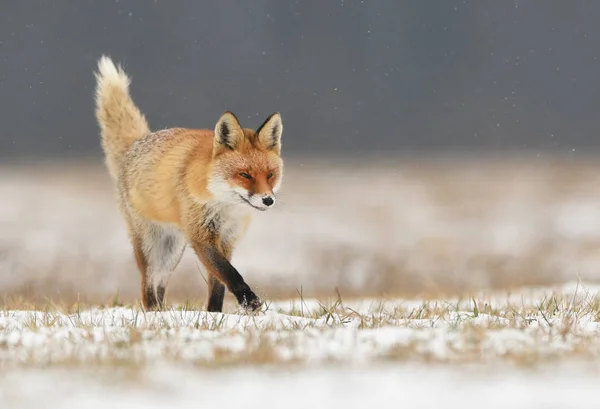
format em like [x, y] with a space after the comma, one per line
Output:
[381, 386]
[445, 330]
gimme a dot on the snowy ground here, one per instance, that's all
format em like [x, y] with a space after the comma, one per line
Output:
[382, 386]
[534, 348]
[418, 284]
[524, 327]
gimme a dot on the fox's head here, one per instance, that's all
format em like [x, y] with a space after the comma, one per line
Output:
[247, 167]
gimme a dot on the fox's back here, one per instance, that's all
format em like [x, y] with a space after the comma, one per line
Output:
[155, 165]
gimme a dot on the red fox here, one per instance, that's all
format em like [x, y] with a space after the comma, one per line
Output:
[182, 186]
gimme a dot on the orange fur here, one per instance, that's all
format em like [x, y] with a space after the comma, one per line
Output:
[194, 186]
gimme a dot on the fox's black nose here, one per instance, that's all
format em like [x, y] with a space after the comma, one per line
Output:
[267, 201]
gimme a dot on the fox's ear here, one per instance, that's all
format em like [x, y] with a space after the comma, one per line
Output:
[228, 133]
[269, 133]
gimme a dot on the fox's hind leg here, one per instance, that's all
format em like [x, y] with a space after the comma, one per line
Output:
[216, 289]
[158, 250]
[216, 294]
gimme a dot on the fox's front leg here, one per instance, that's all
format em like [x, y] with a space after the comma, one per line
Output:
[221, 269]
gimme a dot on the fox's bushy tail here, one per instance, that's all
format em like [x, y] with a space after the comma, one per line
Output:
[121, 122]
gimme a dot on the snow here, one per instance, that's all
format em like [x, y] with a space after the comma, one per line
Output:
[377, 233]
[450, 330]
[382, 386]
[355, 354]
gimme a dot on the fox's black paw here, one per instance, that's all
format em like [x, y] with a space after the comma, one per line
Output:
[249, 301]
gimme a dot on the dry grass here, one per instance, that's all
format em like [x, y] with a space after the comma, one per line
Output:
[531, 327]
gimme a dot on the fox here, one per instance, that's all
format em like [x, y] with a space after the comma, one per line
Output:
[181, 186]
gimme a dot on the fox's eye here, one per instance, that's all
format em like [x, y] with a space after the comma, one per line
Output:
[270, 175]
[245, 175]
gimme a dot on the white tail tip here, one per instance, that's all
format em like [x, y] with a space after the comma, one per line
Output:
[108, 73]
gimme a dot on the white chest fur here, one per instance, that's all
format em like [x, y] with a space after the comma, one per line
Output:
[227, 221]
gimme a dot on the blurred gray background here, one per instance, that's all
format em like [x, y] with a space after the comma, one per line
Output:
[486, 111]
[349, 77]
